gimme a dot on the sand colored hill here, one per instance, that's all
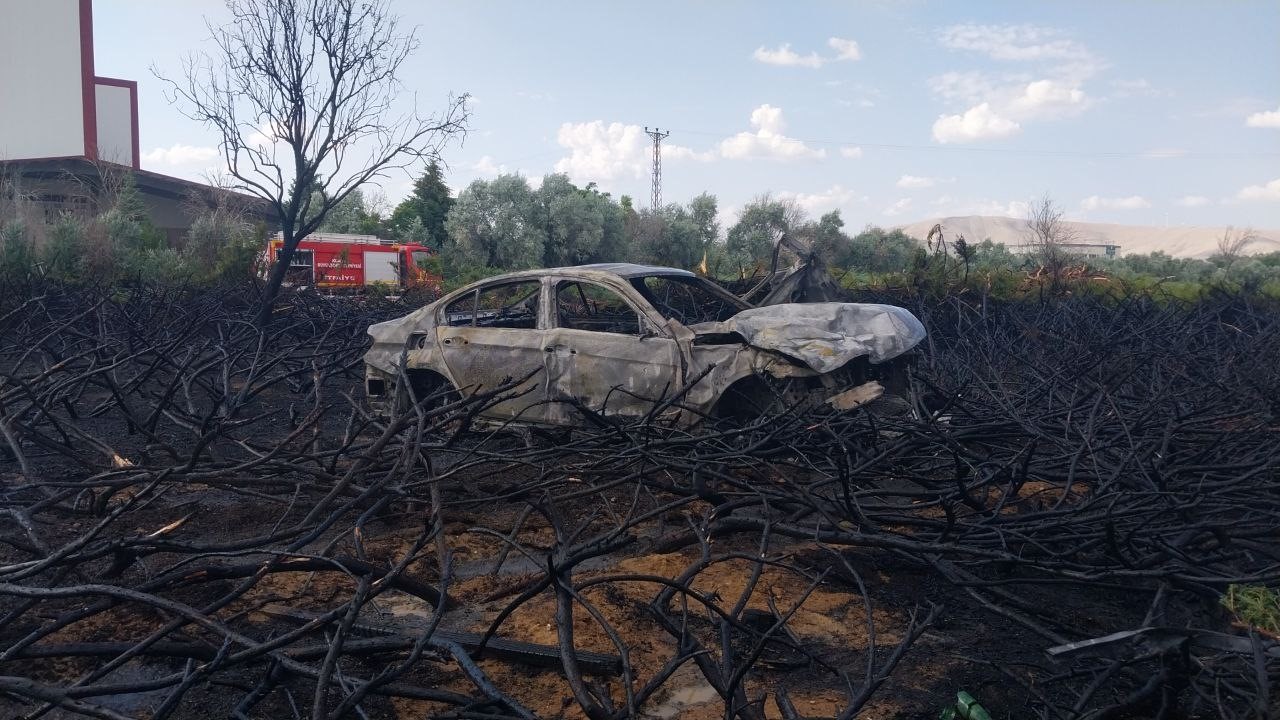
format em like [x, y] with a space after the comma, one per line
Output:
[1179, 241]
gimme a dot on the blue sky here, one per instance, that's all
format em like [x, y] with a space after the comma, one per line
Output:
[891, 111]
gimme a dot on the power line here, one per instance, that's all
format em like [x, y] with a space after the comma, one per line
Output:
[657, 136]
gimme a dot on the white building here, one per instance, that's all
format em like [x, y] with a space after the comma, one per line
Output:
[1071, 248]
[61, 123]
[54, 104]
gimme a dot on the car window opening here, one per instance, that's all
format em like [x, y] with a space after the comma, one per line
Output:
[583, 306]
[510, 305]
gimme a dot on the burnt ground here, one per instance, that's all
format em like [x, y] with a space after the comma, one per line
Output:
[202, 521]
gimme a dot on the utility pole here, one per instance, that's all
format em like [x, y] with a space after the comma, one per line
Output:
[657, 135]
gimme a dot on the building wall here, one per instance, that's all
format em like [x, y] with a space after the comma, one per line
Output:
[42, 79]
[116, 109]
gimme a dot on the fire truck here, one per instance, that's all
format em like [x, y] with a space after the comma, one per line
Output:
[337, 261]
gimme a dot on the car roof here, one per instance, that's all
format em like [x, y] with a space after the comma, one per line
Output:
[630, 270]
[622, 270]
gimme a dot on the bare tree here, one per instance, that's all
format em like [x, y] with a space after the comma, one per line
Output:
[1049, 234]
[303, 94]
[1233, 243]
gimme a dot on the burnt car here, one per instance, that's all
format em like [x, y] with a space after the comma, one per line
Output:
[620, 339]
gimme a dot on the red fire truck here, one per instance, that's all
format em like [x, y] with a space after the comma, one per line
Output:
[336, 261]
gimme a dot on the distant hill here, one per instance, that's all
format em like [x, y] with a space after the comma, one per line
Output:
[1183, 241]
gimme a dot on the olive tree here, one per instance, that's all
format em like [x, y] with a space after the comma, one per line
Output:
[497, 224]
[303, 95]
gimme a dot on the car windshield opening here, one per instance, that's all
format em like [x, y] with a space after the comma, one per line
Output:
[688, 300]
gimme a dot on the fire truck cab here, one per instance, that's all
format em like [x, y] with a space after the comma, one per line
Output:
[337, 261]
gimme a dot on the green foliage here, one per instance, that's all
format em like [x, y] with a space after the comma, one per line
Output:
[223, 245]
[877, 250]
[64, 250]
[575, 221]
[1255, 605]
[670, 237]
[496, 223]
[504, 223]
[127, 222]
[17, 255]
[421, 216]
[750, 241]
[353, 215]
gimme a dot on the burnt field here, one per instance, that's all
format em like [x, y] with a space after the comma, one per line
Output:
[201, 520]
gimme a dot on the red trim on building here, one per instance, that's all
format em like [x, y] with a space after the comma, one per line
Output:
[132, 85]
[88, 95]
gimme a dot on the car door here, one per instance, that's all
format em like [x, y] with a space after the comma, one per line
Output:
[605, 353]
[494, 335]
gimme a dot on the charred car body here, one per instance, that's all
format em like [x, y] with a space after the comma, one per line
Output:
[622, 339]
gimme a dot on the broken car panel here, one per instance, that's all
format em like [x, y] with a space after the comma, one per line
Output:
[617, 338]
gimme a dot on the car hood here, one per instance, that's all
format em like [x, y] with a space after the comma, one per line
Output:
[825, 336]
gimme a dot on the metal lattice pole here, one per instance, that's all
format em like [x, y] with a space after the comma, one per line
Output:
[657, 136]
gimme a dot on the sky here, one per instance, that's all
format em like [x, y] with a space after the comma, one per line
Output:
[891, 111]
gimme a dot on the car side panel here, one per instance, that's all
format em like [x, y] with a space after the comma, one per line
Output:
[483, 359]
[610, 373]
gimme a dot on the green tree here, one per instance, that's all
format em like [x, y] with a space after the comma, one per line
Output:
[878, 250]
[496, 224]
[421, 216]
[353, 215]
[127, 220]
[573, 221]
[750, 241]
[703, 214]
[669, 237]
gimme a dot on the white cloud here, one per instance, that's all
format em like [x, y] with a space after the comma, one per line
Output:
[1138, 87]
[835, 197]
[866, 103]
[1013, 42]
[180, 155]
[1161, 153]
[1133, 202]
[852, 153]
[1014, 96]
[787, 57]
[783, 54]
[916, 181]
[600, 152]
[897, 208]
[1053, 90]
[1013, 208]
[1193, 201]
[1267, 119]
[1268, 193]
[969, 88]
[845, 49]
[767, 140]
[488, 167]
[979, 122]
[1048, 98]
